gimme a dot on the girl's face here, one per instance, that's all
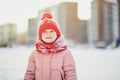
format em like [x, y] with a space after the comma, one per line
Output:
[49, 36]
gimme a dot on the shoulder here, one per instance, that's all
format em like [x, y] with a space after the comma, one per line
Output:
[33, 53]
[66, 53]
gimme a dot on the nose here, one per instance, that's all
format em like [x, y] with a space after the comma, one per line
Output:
[48, 33]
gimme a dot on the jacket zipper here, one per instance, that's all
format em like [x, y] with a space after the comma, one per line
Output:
[51, 66]
[42, 66]
[61, 76]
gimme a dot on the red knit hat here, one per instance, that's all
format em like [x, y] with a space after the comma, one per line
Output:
[48, 23]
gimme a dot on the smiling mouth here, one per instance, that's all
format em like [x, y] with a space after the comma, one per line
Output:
[48, 37]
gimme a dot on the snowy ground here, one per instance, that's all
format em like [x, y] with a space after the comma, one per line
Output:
[91, 64]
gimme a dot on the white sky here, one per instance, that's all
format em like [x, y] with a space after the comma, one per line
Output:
[18, 11]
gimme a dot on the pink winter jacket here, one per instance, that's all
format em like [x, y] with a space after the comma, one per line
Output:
[54, 66]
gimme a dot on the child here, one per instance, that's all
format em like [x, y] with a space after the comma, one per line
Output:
[51, 60]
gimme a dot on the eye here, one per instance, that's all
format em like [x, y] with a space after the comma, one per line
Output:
[44, 31]
[51, 31]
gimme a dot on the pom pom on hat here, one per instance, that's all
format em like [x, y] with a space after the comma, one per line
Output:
[46, 15]
[48, 23]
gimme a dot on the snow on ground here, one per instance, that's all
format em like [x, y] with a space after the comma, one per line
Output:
[91, 64]
[97, 64]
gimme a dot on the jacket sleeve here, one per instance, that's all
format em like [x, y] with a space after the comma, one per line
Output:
[69, 67]
[30, 71]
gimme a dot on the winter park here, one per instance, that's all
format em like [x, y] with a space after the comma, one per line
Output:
[90, 29]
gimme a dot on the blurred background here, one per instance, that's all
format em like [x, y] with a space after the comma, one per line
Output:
[93, 22]
[91, 29]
